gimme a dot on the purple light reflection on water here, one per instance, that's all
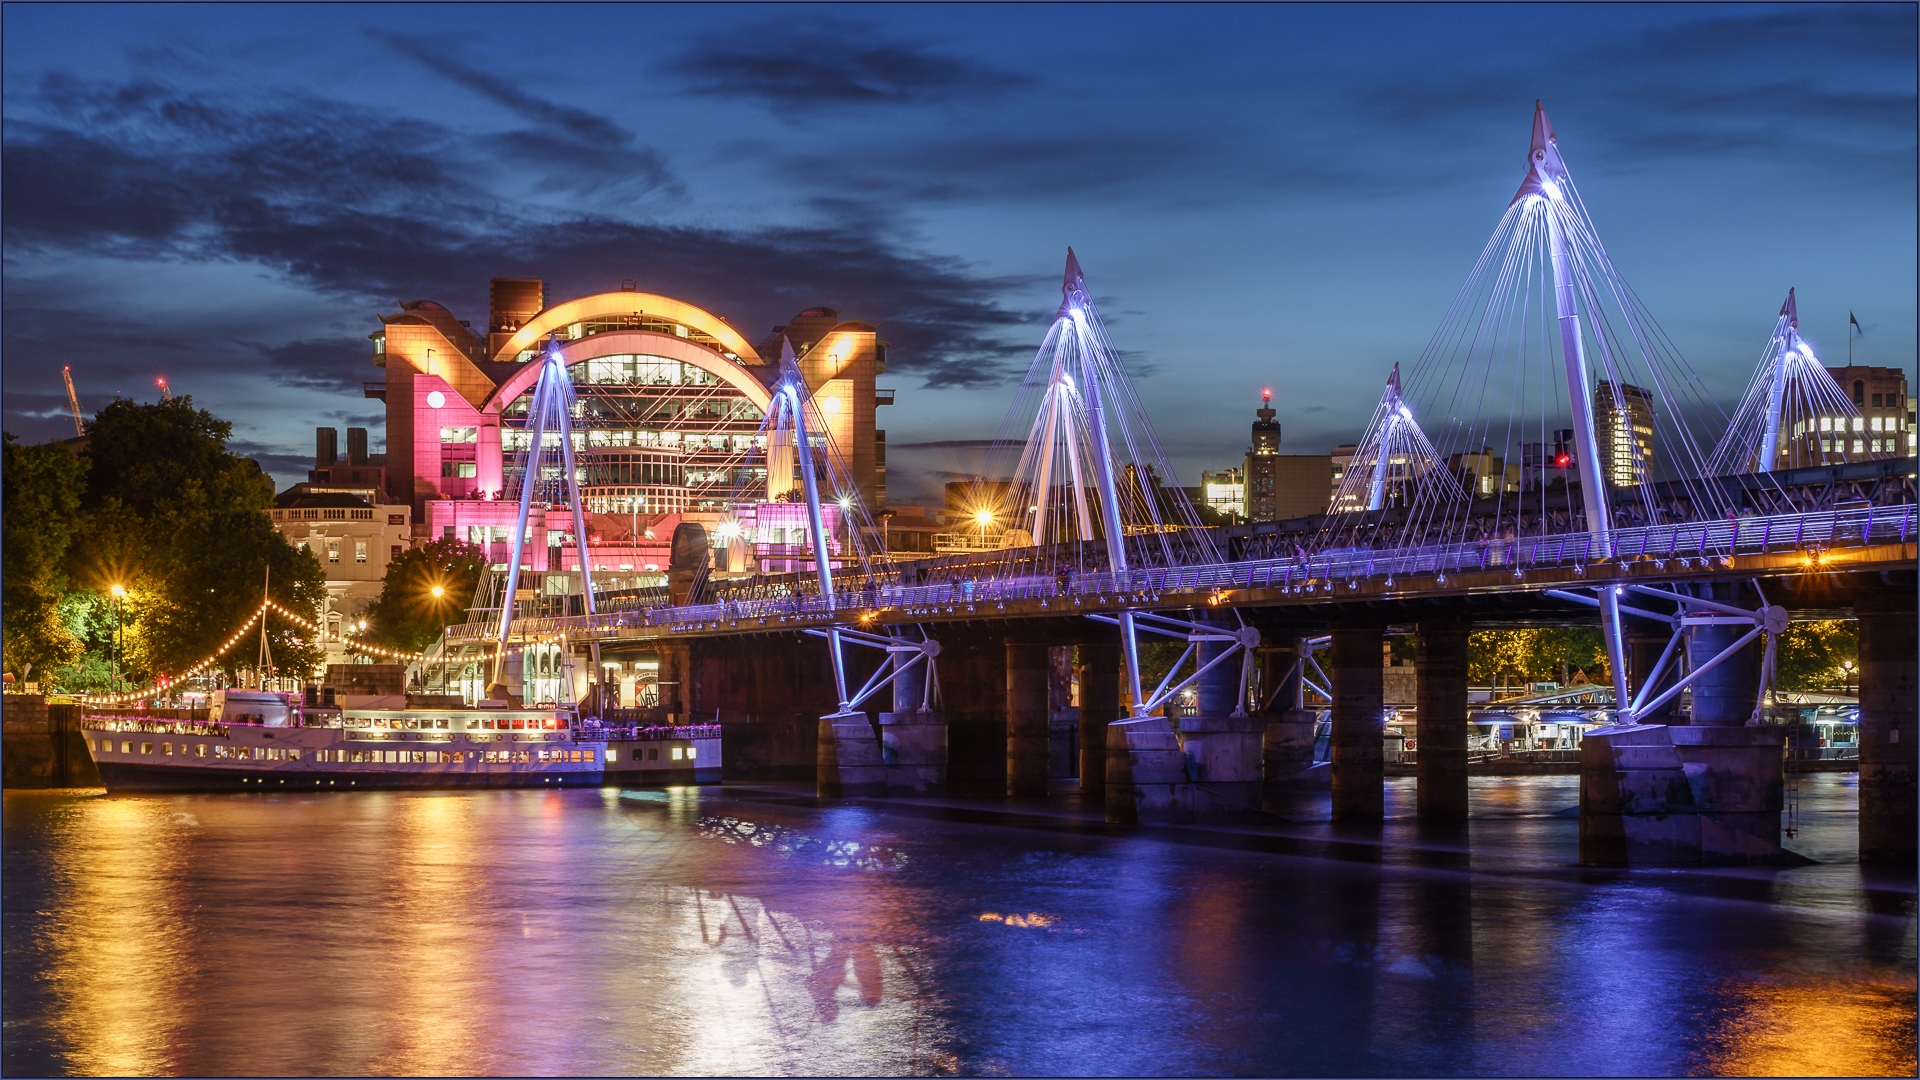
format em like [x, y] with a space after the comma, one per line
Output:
[751, 931]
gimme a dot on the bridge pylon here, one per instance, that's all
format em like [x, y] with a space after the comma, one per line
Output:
[1085, 488]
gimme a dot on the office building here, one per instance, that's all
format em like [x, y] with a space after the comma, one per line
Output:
[1885, 425]
[1623, 429]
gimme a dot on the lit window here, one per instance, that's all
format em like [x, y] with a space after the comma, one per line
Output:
[1858, 447]
[690, 753]
[1826, 423]
[1859, 423]
[166, 748]
[333, 551]
[146, 748]
[126, 748]
[199, 749]
[359, 551]
[612, 754]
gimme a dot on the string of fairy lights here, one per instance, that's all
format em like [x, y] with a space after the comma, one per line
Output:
[354, 642]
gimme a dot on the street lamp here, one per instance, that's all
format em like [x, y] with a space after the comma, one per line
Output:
[985, 518]
[1846, 667]
[119, 639]
[438, 594]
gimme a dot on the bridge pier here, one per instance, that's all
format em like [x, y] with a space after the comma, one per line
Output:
[913, 739]
[1644, 649]
[1222, 750]
[1888, 735]
[1028, 668]
[1708, 791]
[1359, 770]
[1287, 746]
[1441, 759]
[1099, 663]
[973, 691]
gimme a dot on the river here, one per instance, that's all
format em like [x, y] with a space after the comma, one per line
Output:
[752, 930]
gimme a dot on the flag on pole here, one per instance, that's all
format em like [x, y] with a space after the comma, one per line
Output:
[1853, 325]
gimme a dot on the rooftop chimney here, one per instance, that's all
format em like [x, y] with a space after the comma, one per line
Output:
[513, 302]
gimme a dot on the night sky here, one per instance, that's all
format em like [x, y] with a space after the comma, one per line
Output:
[1282, 196]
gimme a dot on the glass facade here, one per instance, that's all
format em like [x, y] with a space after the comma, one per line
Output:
[651, 435]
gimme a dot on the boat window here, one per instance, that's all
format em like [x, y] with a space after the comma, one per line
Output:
[294, 753]
[691, 749]
[441, 724]
[199, 749]
[412, 724]
[166, 748]
[126, 748]
[380, 721]
[146, 748]
[653, 754]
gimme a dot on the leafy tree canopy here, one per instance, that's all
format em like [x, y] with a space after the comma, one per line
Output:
[41, 500]
[407, 615]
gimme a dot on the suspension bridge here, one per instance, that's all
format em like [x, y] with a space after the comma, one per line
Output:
[1691, 536]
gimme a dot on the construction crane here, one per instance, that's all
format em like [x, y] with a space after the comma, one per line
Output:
[73, 402]
[166, 392]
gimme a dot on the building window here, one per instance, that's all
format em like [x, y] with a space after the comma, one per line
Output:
[359, 551]
[333, 551]
[1859, 392]
[459, 435]
[464, 470]
[1876, 400]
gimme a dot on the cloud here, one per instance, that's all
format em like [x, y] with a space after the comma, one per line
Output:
[319, 364]
[789, 68]
[367, 206]
[277, 460]
[578, 151]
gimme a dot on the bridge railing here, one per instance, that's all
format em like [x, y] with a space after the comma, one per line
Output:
[1688, 541]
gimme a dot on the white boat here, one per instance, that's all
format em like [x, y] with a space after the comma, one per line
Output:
[273, 741]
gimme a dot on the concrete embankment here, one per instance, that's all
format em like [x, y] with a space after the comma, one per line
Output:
[41, 745]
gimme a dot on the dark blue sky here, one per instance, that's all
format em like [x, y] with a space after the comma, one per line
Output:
[1281, 196]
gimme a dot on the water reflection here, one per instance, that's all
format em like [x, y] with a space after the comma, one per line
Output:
[702, 931]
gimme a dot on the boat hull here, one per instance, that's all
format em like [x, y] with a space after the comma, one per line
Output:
[134, 777]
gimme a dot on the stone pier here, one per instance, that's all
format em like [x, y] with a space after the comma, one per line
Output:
[1708, 791]
[1027, 730]
[913, 737]
[1441, 750]
[1888, 737]
[1287, 744]
[1099, 666]
[1359, 770]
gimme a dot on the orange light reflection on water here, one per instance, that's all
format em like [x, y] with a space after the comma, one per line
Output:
[1817, 1028]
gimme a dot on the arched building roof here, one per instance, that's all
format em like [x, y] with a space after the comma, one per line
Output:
[641, 342]
[625, 302]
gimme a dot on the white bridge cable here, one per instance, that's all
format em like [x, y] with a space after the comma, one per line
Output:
[1518, 466]
[1789, 400]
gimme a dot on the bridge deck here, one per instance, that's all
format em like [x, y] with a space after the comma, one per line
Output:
[1855, 540]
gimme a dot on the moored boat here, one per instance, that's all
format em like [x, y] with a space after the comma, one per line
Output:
[257, 740]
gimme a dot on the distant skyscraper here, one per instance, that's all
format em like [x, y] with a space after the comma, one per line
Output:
[1262, 467]
[1623, 422]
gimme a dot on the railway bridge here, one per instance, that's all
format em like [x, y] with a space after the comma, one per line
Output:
[875, 675]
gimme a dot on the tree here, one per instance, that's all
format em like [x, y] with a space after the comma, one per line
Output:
[201, 600]
[1809, 655]
[407, 615]
[179, 521]
[41, 500]
[1536, 654]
